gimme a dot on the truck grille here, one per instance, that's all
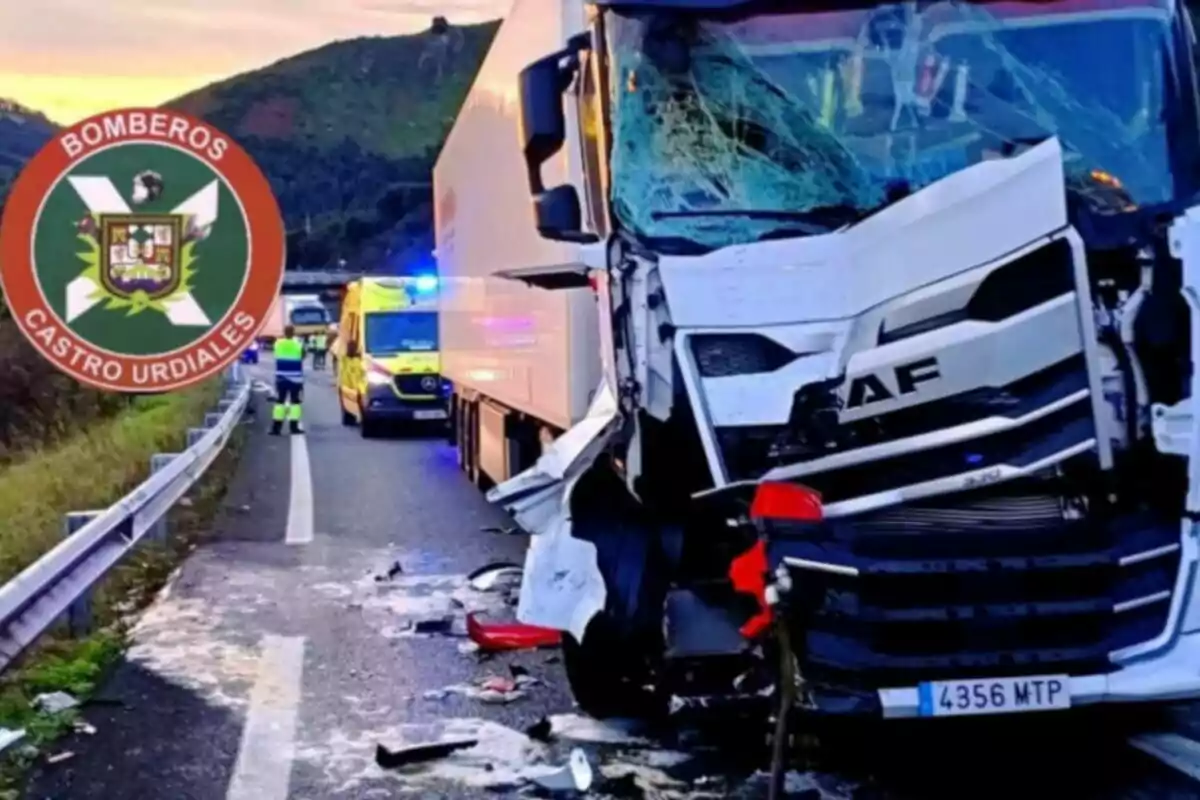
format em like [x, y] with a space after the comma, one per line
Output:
[972, 598]
[750, 451]
[419, 385]
[1000, 423]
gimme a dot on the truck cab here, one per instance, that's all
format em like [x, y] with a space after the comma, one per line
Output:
[898, 304]
[387, 359]
[308, 316]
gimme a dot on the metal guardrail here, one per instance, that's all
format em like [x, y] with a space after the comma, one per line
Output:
[60, 582]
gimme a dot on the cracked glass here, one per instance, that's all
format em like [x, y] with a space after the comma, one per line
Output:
[734, 129]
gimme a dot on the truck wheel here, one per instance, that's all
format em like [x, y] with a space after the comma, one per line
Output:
[608, 676]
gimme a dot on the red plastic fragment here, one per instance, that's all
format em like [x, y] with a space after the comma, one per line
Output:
[748, 573]
[494, 636]
[786, 501]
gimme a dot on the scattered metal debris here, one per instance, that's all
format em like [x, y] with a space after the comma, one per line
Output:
[54, 702]
[490, 689]
[10, 736]
[500, 576]
[576, 775]
[83, 726]
[419, 753]
[437, 625]
[392, 571]
[60, 757]
[578, 728]
[540, 731]
[511, 530]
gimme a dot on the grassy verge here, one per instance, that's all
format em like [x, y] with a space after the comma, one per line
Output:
[91, 471]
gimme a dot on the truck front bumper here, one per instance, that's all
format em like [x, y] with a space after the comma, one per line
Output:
[1173, 675]
[877, 609]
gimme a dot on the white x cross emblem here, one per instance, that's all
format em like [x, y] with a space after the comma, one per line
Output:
[101, 197]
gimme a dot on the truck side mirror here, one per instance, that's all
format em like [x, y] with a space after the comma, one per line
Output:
[560, 215]
[543, 131]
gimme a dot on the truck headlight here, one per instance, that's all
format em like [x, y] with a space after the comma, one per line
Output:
[378, 379]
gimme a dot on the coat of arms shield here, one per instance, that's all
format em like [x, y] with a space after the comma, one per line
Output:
[140, 253]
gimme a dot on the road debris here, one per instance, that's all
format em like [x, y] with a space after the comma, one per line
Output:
[540, 731]
[578, 728]
[511, 530]
[436, 625]
[576, 775]
[10, 736]
[489, 689]
[500, 576]
[391, 572]
[408, 755]
[83, 726]
[58, 758]
[510, 635]
[54, 702]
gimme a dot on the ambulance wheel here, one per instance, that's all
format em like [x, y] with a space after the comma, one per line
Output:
[368, 427]
[609, 677]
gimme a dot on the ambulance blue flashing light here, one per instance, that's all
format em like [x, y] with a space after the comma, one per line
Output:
[427, 283]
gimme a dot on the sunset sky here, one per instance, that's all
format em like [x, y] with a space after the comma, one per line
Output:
[74, 58]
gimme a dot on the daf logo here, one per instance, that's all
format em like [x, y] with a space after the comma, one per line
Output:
[429, 383]
[868, 389]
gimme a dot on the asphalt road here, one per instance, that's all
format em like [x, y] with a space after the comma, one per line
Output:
[281, 655]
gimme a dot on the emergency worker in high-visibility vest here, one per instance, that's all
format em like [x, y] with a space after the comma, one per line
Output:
[319, 345]
[289, 382]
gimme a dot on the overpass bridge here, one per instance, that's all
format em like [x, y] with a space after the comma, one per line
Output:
[317, 282]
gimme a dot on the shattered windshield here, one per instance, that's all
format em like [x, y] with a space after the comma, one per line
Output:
[734, 129]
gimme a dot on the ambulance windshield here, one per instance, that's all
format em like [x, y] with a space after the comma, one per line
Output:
[394, 332]
[733, 129]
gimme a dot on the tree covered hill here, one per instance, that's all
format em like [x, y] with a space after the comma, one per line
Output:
[348, 134]
[23, 131]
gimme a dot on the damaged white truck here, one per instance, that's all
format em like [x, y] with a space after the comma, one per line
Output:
[897, 312]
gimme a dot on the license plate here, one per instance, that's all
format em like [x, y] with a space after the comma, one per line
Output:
[429, 415]
[994, 696]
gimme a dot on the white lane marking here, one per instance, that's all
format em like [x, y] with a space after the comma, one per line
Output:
[263, 770]
[1177, 752]
[300, 501]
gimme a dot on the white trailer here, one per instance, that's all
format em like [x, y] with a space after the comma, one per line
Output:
[523, 361]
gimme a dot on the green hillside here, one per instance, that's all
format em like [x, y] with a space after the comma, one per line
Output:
[395, 96]
[23, 131]
[347, 135]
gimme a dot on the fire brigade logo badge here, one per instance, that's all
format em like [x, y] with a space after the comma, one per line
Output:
[141, 251]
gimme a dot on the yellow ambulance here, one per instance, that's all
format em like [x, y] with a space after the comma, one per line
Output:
[386, 353]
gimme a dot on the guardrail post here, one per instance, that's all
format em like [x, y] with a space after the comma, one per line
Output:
[224, 405]
[195, 435]
[211, 419]
[79, 615]
[158, 531]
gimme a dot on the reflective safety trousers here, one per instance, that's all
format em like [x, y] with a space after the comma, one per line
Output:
[289, 379]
